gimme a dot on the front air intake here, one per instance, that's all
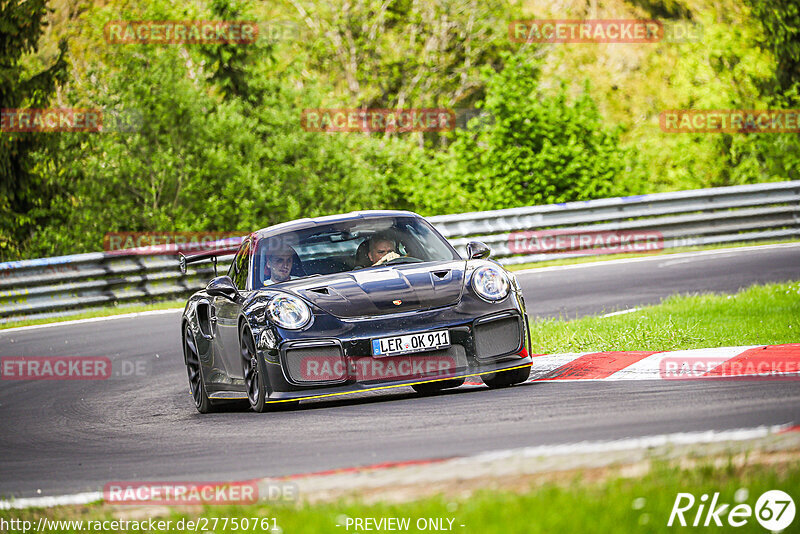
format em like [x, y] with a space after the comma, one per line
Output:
[314, 363]
[498, 337]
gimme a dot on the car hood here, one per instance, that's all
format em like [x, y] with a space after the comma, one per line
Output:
[384, 290]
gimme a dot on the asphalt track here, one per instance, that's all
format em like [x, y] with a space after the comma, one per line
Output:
[61, 437]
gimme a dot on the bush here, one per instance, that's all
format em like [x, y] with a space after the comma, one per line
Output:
[540, 148]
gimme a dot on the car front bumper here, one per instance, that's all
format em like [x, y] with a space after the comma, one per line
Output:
[494, 341]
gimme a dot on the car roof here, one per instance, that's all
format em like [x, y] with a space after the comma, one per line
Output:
[302, 224]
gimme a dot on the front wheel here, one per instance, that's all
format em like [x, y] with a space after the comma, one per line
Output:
[503, 379]
[254, 372]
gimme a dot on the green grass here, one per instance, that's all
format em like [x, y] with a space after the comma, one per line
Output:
[768, 314]
[104, 312]
[608, 257]
[575, 502]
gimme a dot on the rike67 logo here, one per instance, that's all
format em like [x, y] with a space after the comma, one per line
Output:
[774, 510]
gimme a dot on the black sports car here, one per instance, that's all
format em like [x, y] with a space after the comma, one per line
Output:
[342, 304]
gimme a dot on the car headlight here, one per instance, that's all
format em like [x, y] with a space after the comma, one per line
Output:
[490, 283]
[288, 312]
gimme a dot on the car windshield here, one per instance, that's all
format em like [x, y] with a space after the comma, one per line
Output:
[347, 246]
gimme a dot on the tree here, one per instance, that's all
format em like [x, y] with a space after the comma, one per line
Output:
[406, 53]
[219, 146]
[780, 20]
[26, 192]
[541, 147]
[229, 64]
[771, 156]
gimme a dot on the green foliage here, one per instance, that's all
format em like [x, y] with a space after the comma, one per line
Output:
[25, 191]
[723, 70]
[780, 20]
[228, 62]
[405, 53]
[541, 147]
[218, 145]
[774, 156]
[664, 9]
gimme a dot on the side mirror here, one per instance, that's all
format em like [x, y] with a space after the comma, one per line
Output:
[477, 250]
[222, 286]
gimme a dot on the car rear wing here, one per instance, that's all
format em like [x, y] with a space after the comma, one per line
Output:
[206, 255]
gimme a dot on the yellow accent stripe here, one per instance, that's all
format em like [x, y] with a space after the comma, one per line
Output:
[395, 385]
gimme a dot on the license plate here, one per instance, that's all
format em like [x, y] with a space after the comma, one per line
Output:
[390, 346]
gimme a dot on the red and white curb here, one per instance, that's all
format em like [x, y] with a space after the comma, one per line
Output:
[754, 361]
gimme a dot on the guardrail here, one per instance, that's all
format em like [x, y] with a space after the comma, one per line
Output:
[684, 218]
[70, 284]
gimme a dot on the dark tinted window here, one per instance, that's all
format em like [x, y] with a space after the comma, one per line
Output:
[344, 246]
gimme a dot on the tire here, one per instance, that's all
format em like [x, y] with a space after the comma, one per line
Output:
[254, 371]
[503, 379]
[433, 387]
[197, 385]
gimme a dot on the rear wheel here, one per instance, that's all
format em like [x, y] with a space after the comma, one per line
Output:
[197, 385]
[433, 387]
[502, 379]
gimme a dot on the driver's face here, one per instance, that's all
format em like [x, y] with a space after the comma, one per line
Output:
[280, 267]
[380, 249]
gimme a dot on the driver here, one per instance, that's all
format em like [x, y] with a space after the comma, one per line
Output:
[381, 250]
[279, 265]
